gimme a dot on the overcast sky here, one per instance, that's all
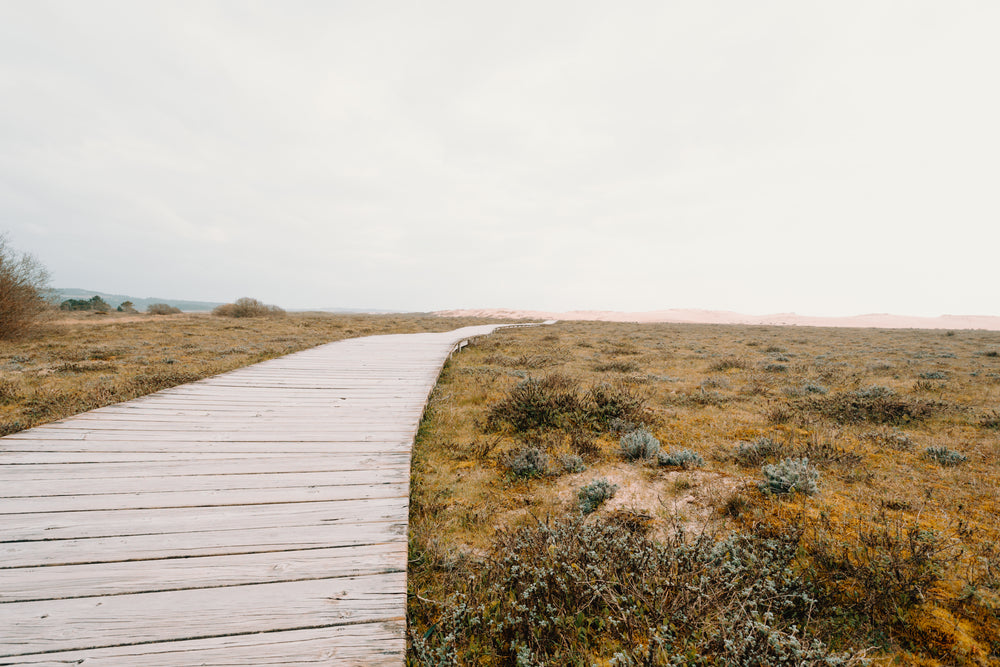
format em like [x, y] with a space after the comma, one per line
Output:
[827, 158]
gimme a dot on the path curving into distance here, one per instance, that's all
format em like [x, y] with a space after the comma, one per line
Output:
[257, 517]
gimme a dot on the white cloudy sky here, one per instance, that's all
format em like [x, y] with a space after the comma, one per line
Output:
[817, 157]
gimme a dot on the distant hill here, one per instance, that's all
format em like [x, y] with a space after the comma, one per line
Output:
[874, 320]
[140, 303]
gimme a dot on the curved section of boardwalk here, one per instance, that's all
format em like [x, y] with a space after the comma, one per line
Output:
[254, 518]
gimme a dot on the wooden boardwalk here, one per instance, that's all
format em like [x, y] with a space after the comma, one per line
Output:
[254, 518]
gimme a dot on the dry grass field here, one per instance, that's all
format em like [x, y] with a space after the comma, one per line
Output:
[82, 361]
[534, 538]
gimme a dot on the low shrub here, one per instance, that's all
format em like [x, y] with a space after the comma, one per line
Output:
[605, 403]
[556, 402]
[639, 444]
[755, 453]
[591, 496]
[790, 476]
[680, 458]
[560, 591]
[945, 456]
[528, 462]
[990, 420]
[572, 463]
[551, 402]
[247, 307]
[893, 439]
[617, 367]
[162, 309]
[617, 425]
[730, 363]
[875, 404]
[881, 570]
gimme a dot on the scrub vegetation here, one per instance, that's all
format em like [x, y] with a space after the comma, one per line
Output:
[85, 361]
[738, 496]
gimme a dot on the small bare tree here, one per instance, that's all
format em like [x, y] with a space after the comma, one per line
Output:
[23, 291]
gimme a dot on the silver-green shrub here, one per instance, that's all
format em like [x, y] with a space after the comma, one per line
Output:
[945, 456]
[562, 588]
[790, 476]
[572, 463]
[639, 444]
[592, 495]
[528, 462]
[680, 458]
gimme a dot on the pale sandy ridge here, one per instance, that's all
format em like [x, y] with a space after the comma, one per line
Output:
[874, 320]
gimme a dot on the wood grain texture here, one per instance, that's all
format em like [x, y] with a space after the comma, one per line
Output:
[257, 517]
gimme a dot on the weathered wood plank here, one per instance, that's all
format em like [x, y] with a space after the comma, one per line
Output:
[156, 547]
[130, 521]
[211, 498]
[356, 645]
[15, 486]
[217, 465]
[59, 625]
[257, 448]
[44, 583]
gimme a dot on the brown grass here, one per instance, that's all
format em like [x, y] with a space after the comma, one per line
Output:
[84, 361]
[899, 550]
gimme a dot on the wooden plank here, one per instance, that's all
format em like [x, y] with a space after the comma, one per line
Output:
[157, 547]
[44, 583]
[59, 625]
[194, 465]
[354, 435]
[211, 498]
[16, 486]
[121, 522]
[368, 644]
[372, 447]
[356, 645]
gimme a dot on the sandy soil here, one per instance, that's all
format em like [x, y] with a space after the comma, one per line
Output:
[874, 320]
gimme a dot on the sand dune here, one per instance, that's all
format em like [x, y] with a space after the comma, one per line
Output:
[873, 320]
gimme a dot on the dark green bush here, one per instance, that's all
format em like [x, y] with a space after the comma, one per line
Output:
[556, 402]
[608, 404]
[552, 402]
[877, 405]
